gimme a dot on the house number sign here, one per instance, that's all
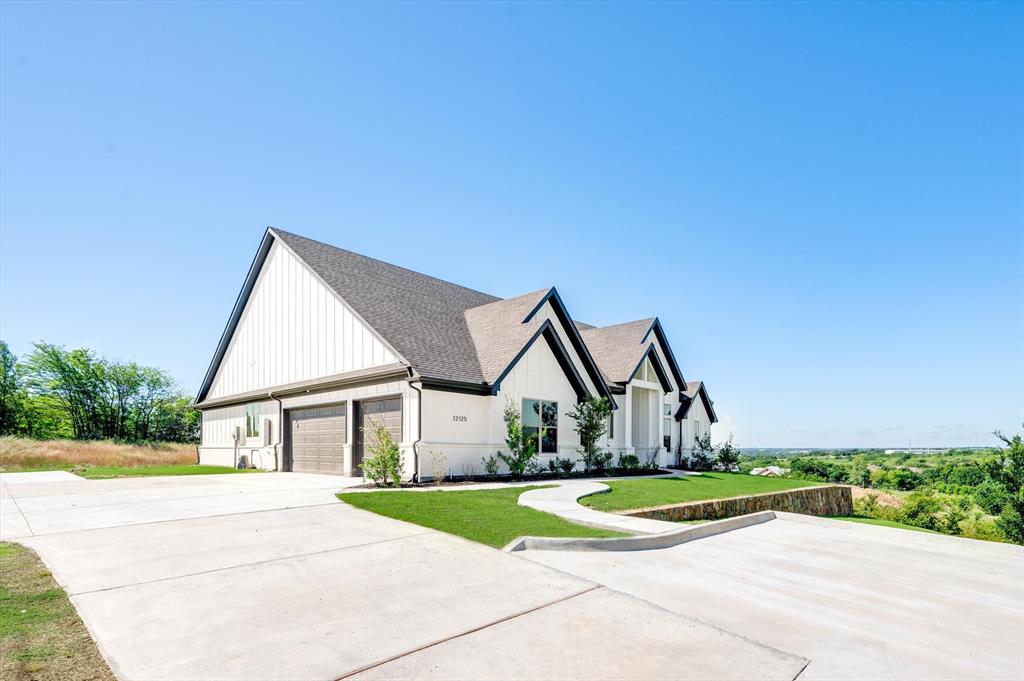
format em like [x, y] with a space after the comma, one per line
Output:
[459, 419]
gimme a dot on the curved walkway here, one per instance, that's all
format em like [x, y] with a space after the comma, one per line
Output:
[562, 501]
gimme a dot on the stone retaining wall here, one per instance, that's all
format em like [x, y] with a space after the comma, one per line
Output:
[824, 500]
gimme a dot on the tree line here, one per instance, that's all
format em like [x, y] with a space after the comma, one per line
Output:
[53, 393]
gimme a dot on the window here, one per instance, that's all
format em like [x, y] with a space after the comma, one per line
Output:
[666, 436]
[252, 420]
[540, 421]
[611, 425]
[696, 429]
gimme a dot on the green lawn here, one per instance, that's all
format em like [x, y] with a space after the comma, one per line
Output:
[489, 516]
[647, 492]
[104, 472]
[882, 523]
[41, 636]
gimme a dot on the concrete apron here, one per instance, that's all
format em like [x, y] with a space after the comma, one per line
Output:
[647, 542]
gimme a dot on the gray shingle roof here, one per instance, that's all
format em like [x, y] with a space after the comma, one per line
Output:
[422, 317]
[498, 331]
[618, 348]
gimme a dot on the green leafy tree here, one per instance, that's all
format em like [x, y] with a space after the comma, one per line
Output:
[591, 417]
[12, 395]
[1008, 471]
[728, 455]
[702, 453]
[522, 451]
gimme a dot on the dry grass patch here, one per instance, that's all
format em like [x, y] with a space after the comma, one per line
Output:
[41, 635]
[23, 454]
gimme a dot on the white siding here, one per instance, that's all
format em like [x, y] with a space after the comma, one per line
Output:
[217, 446]
[466, 428]
[293, 329]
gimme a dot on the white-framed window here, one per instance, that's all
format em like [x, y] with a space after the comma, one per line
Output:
[252, 420]
[666, 435]
[540, 424]
[696, 429]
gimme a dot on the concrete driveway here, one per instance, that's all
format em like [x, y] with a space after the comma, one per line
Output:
[860, 602]
[267, 576]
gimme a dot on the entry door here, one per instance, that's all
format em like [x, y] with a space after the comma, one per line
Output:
[387, 411]
[317, 438]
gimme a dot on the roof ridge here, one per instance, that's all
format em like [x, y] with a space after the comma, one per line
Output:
[384, 262]
[646, 320]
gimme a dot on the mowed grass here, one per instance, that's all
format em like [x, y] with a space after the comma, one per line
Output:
[105, 472]
[24, 454]
[882, 522]
[41, 636]
[644, 493]
[491, 516]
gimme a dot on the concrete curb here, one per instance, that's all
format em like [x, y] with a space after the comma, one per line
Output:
[640, 543]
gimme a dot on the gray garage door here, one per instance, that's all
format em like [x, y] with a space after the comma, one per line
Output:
[387, 411]
[317, 437]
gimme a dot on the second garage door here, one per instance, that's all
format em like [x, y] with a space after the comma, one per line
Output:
[317, 439]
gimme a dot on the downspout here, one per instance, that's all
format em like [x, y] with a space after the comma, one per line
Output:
[280, 426]
[419, 430]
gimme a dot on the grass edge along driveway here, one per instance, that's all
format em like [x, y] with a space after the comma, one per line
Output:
[488, 516]
[106, 472]
[41, 635]
[647, 492]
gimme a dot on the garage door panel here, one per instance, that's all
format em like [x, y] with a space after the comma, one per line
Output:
[318, 436]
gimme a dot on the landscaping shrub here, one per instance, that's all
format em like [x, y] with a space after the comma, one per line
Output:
[591, 418]
[384, 466]
[629, 462]
[491, 465]
[651, 460]
[438, 466]
[563, 467]
[522, 451]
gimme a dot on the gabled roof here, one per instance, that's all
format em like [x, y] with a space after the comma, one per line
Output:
[421, 317]
[693, 389]
[448, 334]
[620, 348]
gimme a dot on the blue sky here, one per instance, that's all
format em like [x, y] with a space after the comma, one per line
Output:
[823, 202]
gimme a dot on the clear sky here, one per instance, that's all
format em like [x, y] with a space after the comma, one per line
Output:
[823, 202]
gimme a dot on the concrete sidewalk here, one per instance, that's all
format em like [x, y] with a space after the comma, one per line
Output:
[563, 501]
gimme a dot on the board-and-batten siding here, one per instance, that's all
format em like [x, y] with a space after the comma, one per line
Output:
[293, 329]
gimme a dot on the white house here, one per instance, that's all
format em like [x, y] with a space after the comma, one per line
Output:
[321, 341]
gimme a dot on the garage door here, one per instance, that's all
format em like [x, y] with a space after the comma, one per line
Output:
[317, 439]
[387, 411]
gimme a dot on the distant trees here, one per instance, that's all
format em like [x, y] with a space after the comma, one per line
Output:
[57, 393]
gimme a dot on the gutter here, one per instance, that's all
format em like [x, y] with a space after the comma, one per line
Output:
[280, 428]
[419, 429]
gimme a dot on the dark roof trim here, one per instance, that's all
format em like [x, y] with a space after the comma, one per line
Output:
[456, 386]
[686, 402]
[349, 379]
[575, 338]
[652, 353]
[673, 365]
[547, 331]
[236, 314]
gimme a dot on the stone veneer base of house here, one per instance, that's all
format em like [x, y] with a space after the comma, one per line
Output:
[826, 500]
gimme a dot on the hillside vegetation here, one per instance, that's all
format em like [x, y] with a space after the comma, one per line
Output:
[21, 454]
[975, 493]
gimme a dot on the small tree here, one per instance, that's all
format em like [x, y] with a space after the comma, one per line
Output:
[522, 451]
[438, 466]
[591, 418]
[703, 453]
[728, 455]
[384, 467]
[1008, 471]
